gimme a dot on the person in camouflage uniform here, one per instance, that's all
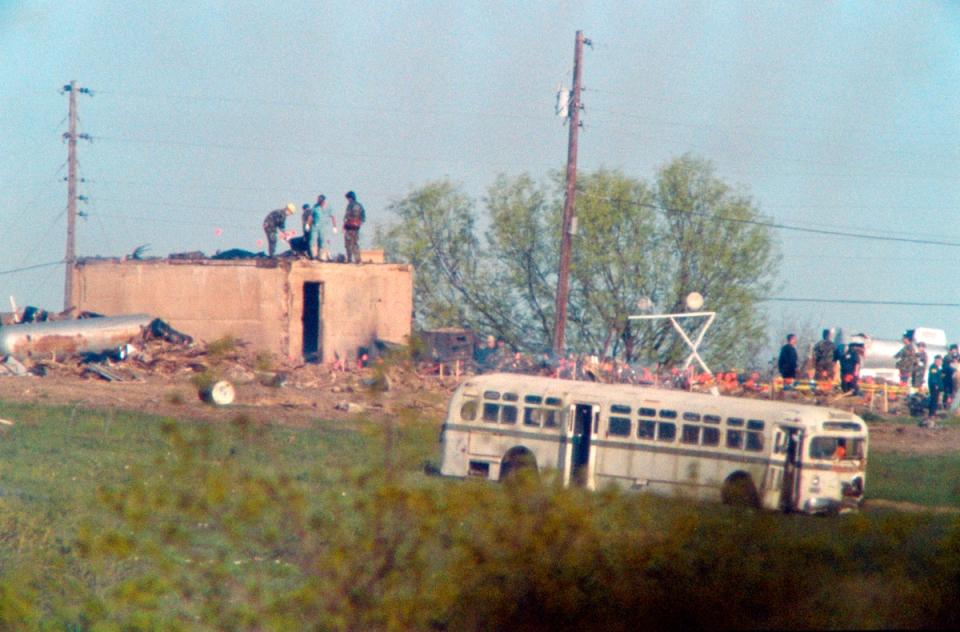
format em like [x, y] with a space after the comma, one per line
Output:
[353, 219]
[906, 361]
[274, 222]
[824, 357]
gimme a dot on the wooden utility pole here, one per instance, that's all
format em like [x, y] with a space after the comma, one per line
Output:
[70, 259]
[563, 275]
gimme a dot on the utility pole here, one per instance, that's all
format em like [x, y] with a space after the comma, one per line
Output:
[563, 275]
[71, 136]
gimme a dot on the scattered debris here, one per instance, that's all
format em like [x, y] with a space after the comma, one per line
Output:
[12, 366]
[101, 371]
[350, 407]
[220, 393]
[193, 255]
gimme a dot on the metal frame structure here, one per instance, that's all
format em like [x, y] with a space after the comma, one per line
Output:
[693, 344]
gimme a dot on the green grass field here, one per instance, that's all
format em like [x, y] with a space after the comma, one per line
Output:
[126, 521]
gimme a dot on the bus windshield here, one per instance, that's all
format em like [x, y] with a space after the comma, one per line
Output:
[836, 448]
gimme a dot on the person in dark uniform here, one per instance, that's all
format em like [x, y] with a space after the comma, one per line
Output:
[935, 384]
[787, 362]
[850, 362]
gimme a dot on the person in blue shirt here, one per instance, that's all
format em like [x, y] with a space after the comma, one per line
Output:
[315, 231]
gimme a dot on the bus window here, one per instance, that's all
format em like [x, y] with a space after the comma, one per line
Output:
[554, 401]
[533, 399]
[855, 449]
[468, 412]
[508, 414]
[668, 414]
[735, 439]
[735, 421]
[510, 397]
[711, 419]
[532, 416]
[836, 448]
[491, 412]
[691, 416]
[551, 418]
[755, 424]
[711, 436]
[647, 412]
[754, 442]
[691, 434]
[646, 429]
[620, 409]
[666, 431]
[491, 395]
[620, 426]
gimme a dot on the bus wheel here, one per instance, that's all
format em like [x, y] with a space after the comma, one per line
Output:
[518, 462]
[739, 491]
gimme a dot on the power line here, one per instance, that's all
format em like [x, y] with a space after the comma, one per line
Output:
[850, 301]
[33, 267]
[781, 226]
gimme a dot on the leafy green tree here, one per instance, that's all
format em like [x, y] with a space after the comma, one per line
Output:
[713, 240]
[687, 231]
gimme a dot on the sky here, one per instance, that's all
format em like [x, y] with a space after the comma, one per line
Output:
[837, 117]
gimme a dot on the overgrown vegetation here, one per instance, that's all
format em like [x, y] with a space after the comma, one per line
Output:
[122, 521]
[684, 231]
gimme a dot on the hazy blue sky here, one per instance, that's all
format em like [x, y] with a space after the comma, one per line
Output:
[841, 116]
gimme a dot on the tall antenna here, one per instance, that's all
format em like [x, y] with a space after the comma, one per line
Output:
[569, 223]
[71, 136]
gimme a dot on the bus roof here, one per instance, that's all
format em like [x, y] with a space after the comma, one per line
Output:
[774, 411]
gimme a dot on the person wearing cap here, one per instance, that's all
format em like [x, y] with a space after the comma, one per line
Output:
[276, 221]
[353, 219]
[906, 360]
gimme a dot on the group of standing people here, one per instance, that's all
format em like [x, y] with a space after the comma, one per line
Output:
[826, 356]
[313, 218]
[941, 377]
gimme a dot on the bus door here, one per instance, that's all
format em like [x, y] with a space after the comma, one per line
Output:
[583, 421]
[782, 480]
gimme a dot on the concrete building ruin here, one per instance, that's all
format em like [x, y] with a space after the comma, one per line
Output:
[296, 308]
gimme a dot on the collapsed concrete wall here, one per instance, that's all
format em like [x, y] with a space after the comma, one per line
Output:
[290, 307]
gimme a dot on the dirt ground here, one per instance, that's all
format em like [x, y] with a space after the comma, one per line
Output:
[294, 395]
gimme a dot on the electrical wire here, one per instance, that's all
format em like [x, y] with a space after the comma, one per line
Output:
[851, 301]
[33, 267]
[788, 227]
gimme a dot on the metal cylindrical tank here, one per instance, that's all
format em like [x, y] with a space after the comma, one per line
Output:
[71, 336]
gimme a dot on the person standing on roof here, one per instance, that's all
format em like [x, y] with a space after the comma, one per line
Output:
[353, 219]
[315, 235]
[787, 362]
[276, 221]
[824, 357]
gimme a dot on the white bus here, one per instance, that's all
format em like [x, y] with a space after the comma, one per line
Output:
[780, 456]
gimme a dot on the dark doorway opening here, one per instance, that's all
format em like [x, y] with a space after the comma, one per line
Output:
[791, 481]
[312, 326]
[582, 422]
